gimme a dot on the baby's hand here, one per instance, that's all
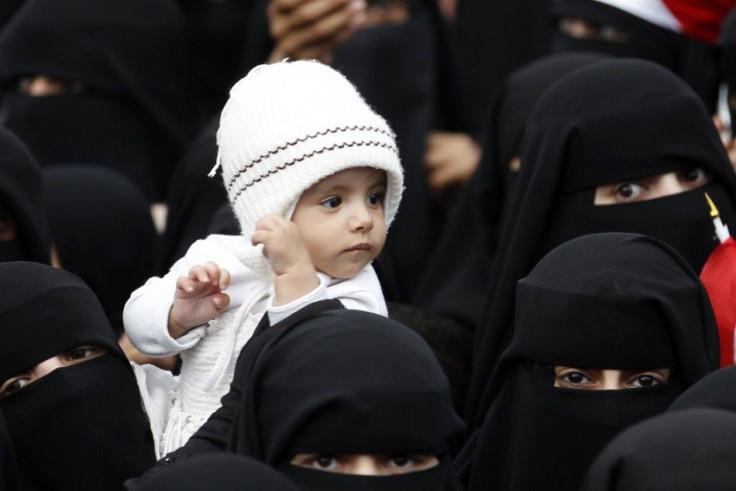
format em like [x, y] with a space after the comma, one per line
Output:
[283, 244]
[198, 298]
[289, 257]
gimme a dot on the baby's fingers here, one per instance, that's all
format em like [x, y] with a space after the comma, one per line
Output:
[224, 279]
[184, 284]
[213, 272]
[221, 301]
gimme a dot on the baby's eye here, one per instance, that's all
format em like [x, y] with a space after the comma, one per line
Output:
[375, 199]
[13, 385]
[629, 191]
[332, 202]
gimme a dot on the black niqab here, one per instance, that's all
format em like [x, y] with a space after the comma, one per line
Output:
[346, 382]
[103, 232]
[20, 200]
[692, 60]
[602, 301]
[606, 123]
[219, 471]
[681, 451]
[133, 102]
[8, 466]
[457, 277]
[81, 426]
[717, 391]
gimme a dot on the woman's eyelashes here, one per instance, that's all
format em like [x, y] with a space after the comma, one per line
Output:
[651, 187]
[367, 464]
[65, 359]
[601, 379]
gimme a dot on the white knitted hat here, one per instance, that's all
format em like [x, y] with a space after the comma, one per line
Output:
[285, 127]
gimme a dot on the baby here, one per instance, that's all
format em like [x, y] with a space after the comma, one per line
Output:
[314, 178]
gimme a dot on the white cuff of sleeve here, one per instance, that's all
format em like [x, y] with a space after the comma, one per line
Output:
[281, 312]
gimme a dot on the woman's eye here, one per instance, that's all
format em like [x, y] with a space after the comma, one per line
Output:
[333, 202]
[629, 191]
[401, 461]
[694, 176]
[375, 199]
[325, 462]
[646, 381]
[13, 385]
[81, 353]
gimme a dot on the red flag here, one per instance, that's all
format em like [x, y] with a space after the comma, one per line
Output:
[719, 278]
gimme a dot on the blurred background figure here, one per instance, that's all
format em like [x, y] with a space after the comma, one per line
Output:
[105, 82]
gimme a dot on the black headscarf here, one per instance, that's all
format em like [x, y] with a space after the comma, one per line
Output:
[457, 277]
[217, 471]
[692, 60]
[717, 390]
[496, 39]
[132, 105]
[20, 199]
[8, 466]
[346, 382]
[103, 232]
[193, 197]
[605, 123]
[604, 301]
[682, 451]
[82, 426]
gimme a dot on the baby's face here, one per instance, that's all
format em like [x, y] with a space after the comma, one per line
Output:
[342, 220]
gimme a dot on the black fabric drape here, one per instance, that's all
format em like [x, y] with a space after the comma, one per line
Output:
[714, 391]
[8, 465]
[133, 101]
[21, 200]
[103, 232]
[363, 385]
[606, 123]
[219, 471]
[457, 276]
[694, 61]
[602, 301]
[680, 451]
[496, 39]
[80, 426]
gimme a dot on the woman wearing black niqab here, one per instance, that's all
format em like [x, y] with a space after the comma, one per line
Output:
[682, 451]
[130, 99]
[609, 301]
[347, 382]
[615, 121]
[81, 426]
[21, 203]
[457, 277]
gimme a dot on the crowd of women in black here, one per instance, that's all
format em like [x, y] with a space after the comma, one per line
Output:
[548, 327]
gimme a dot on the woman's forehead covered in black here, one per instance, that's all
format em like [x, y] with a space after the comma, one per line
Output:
[622, 119]
[45, 311]
[348, 382]
[615, 300]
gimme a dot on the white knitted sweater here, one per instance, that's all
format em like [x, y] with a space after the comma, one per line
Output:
[209, 352]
